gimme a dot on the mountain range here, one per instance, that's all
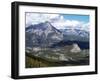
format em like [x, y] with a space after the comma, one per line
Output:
[46, 35]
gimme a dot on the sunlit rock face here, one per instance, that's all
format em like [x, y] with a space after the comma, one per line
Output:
[75, 48]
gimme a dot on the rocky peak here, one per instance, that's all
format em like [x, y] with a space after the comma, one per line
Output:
[75, 48]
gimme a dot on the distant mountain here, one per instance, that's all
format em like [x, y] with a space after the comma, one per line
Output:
[75, 34]
[43, 35]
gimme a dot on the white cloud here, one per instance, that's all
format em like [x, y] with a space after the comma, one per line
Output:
[86, 26]
[35, 18]
[62, 23]
[67, 23]
[56, 20]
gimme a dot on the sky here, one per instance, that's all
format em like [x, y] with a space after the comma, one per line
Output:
[84, 18]
[59, 21]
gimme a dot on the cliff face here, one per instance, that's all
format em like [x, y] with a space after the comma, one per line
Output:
[75, 48]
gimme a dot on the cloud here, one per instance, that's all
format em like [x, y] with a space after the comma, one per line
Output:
[56, 20]
[68, 23]
[62, 23]
[86, 26]
[35, 18]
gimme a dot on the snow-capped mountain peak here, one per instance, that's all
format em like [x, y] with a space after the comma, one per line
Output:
[43, 34]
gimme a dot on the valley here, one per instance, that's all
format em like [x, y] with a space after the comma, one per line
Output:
[51, 57]
[47, 46]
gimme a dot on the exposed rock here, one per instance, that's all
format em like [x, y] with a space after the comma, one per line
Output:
[36, 49]
[63, 58]
[42, 35]
[75, 48]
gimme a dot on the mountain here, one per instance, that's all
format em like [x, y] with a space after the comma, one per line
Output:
[42, 35]
[46, 35]
[74, 34]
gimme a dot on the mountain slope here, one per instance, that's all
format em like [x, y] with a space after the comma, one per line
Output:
[75, 34]
[46, 35]
[43, 35]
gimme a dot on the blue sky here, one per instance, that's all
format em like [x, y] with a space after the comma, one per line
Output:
[84, 18]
